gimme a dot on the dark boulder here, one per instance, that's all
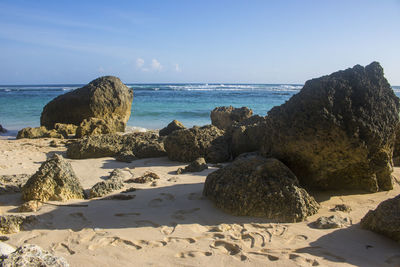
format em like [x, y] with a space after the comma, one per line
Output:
[196, 166]
[114, 182]
[142, 145]
[2, 130]
[55, 180]
[105, 98]
[189, 144]
[385, 219]
[256, 186]
[225, 117]
[338, 131]
[173, 126]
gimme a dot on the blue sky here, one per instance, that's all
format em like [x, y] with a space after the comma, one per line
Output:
[195, 41]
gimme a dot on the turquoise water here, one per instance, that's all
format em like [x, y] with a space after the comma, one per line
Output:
[154, 105]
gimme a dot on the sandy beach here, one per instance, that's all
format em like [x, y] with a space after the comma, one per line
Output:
[170, 224]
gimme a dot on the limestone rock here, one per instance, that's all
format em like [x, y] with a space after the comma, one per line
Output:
[93, 126]
[385, 219]
[338, 131]
[256, 186]
[33, 256]
[10, 224]
[142, 145]
[55, 180]
[196, 166]
[38, 132]
[189, 144]
[341, 207]
[105, 98]
[2, 130]
[30, 206]
[225, 117]
[147, 177]
[13, 183]
[334, 221]
[65, 129]
[113, 183]
[173, 126]
[126, 156]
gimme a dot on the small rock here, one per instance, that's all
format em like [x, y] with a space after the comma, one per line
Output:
[154, 183]
[341, 207]
[196, 166]
[147, 177]
[4, 238]
[330, 222]
[10, 224]
[131, 189]
[172, 127]
[33, 255]
[126, 156]
[53, 143]
[30, 206]
[113, 183]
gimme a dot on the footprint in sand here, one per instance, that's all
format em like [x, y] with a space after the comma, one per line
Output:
[114, 241]
[192, 254]
[328, 255]
[152, 244]
[180, 239]
[163, 201]
[167, 230]
[179, 215]
[303, 261]
[268, 256]
[229, 248]
[62, 247]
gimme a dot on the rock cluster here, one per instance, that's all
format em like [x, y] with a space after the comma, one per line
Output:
[385, 219]
[189, 144]
[338, 131]
[55, 180]
[142, 145]
[256, 186]
[33, 255]
[114, 182]
[225, 117]
[104, 98]
[173, 126]
[196, 166]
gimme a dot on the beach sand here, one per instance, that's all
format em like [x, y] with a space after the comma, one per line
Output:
[171, 224]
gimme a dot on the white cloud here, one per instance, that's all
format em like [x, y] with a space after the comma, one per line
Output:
[177, 68]
[156, 65]
[139, 63]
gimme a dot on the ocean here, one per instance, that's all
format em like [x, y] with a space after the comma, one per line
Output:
[154, 105]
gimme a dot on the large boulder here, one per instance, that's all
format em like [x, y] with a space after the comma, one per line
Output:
[173, 126]
[225, 117]
[55, 180]
[338, 131]
[142, 145]
[189, 144]
[256, 186]
[385, 219]
[33, 255]
[105, 98]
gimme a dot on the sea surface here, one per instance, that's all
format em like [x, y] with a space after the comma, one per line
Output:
[154, 105]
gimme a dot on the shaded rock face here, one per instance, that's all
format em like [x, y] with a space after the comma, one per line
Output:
[142, 145]
[247, 135]
[105, 98]
[38, 132]
[65, 129]
[189, 144]
[2, 130]
[55, 180]
[113, 183]
[385, 219]
[93, 126]
[196, 166]
[173, 126]
[33, 255]
[10, 224]
[225, 117]
[256, 186]
[125, 156]
[338, 132]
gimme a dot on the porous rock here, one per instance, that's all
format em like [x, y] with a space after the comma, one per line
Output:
[333, 221]
[30, 206]
[225, 117]
[196, 166]
[93, 126]
[385, 219]
[105, 98]
[173, 126]
[142, 145]
[338, 131]
[341, 207]
[11, 224]
[147, 177]
[12, 183]
[126, 156]
[38, 132]
[65, 129]
[114, 182]
[32, 255]
[189, 144]
[55, 180]
[256, 186]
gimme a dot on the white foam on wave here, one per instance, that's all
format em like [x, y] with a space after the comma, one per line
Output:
[135, 129]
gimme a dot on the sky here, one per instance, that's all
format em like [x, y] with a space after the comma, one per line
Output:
[53, 42]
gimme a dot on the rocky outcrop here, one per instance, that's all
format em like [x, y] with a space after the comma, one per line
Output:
[11, 224]
[189, 144]
[173, 126]
[338, 131]
[196, 166]
[33, 255]
[13, 183]
[256, 186]
[2, 130]
[105, 98]
[55, 180]
[385, 219]
[247, 135]
[93, 126]
[126, 156]
[65, 129]
[333, 221]
[38, 132]
[142, 145]
[113, 183]
[225, 117]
